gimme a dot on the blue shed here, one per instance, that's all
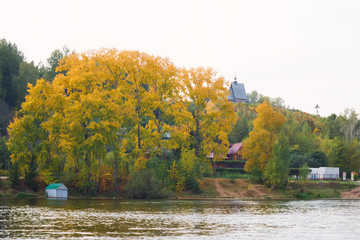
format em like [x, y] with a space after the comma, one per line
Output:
[56, 190]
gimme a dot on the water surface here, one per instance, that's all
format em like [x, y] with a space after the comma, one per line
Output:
[179, 219]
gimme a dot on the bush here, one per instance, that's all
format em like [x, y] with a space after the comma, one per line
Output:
[192, 184]
[14, 175]
[256, 177]
[25, 195]
[356, 176]
[144, 184]
[31, 175]
[4, 172]
[4, 184]
[304, 171]
[237, 176]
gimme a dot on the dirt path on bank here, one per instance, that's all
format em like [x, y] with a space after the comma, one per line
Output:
[354, 193]
[222, 192]
[241, 188]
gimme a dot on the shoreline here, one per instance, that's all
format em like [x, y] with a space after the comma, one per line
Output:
[179, 198]
[232, 189]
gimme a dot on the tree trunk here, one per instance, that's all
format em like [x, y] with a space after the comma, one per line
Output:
[115, 173]
[88, 161]
[139, 137]
[197, 138]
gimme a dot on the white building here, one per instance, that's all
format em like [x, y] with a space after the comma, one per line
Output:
[56, 190]
[324, 173]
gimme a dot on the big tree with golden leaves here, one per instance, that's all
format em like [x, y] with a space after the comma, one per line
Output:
[106, 107]
[78, 117]
[211, 115]
[258, 147]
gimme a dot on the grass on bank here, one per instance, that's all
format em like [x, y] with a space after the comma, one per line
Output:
[317, 189]
[236, 183]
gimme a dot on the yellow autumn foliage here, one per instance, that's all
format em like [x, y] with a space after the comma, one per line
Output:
[257, 148]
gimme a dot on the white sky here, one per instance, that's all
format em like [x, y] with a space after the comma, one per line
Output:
[306, 52]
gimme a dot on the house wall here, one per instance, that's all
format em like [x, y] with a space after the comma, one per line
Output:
[324, 173]
[329, 170]
[61, 193]
[51, 193]
[56, 193]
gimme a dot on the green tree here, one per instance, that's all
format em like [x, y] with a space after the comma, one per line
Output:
[277, 169]
[28, 73]
[53, 61]
[349, 124]
[10, 59]
[297, 159]
[240, 131]
[351, 156]
[306, 139]
[304, 171]
[253, 97]
[31, 174]
[318, 159]
[333, 150]
[4, 154]
[14, 175]
[278, 102]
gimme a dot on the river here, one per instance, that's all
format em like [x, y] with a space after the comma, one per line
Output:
[179, 219]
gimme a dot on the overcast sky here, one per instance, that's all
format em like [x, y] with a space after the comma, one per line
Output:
[306, 52]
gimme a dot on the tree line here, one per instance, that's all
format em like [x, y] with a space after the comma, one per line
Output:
[278, 139]
[127, 122]
[109, 114]
[15, 74]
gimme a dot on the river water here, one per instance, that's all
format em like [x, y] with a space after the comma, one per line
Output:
[179, 219]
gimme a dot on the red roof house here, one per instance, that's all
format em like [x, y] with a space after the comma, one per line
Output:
[233, 158]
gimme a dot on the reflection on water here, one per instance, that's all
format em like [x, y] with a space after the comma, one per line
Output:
[179, 219]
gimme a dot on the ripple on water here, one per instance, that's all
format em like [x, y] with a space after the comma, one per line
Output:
[180, 219]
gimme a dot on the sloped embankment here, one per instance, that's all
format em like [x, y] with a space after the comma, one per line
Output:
[237, 188]
[244, 189]
[352, 194]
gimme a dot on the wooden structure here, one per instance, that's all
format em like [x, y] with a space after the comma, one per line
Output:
[56, 190]
[233, 159]
[237, 92]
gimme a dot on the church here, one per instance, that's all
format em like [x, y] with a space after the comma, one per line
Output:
[237, 92]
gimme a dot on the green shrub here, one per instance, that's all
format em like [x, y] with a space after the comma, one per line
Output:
[14, 175]
[304, 171]
[237, 176]
[25, 195]
[144, 184]
[256, 177]
[31, 175]
[4, 184]
[356, 176]
[303, 195]
[192, 184]
[4, 172]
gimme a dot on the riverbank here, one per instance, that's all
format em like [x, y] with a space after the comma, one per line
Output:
[245, 189]
[222, 188]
